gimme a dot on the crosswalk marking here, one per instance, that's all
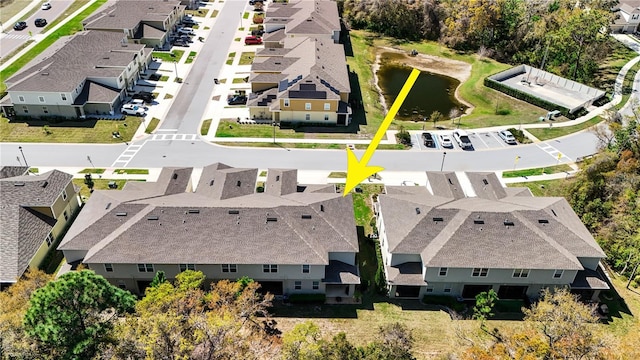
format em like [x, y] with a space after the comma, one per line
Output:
[171, 137]
[555, 153]
[16, 36]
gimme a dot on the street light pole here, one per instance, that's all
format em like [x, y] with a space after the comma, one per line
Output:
[442, 164]
[175, 65]
[241, 15]
[274, 132]
[24, 158]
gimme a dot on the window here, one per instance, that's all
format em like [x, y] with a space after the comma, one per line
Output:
[270, 268]
[305, 269]
[145, 267]
[443, 271]
[326, 117]
[49, 239]
[327, 106]
[520, 273]
[558, 274]
[307, 106]
[286, 102]
[66, 216]
[64, 195]
[64, 97]
[25, 109]
[307, 117]
[316, 285]
[298, 285]
[185, 267]
[108, 267]
[429, 289]
[41, 98]
[447, 288]
[482, 272]
[230, 268]
[21, 98]
[122, 285]
[45, 110]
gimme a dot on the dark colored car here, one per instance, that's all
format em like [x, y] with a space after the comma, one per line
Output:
[252, 40]
[40, 22]
[189, 22]
[428, 139]
[20, 25]
[257, 32]
[253, 2]
[237, 100]
[144, 95]
[180, 42]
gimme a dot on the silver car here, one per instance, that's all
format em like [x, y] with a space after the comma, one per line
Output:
[508, 137]
[446, 141]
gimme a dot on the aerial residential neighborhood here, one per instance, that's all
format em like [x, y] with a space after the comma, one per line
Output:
[319, 179]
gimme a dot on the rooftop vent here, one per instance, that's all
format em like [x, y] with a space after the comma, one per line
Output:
[484, 181]
[211, 182]
[44, 74]
[543, 221]
[508, 223]
[272, 219]
[234, 212]
[418, 211]
[450, 182]
[554, 212]
[238, 183]
[193, 211]
[278, 63]
[18, 184]
[438, 219]
[121, 213]
[306, 216]
[322, 208]
[153, 217]
[175, 176]
[44, 184]
[478, 222]
[108, 206]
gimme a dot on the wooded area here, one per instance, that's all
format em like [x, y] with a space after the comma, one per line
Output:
[556, 35]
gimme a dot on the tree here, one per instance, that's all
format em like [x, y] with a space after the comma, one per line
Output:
[435, 117]
[14, 302]
[158, 279]
[339, 348]
[403, 136]
[88, 180]
[485, 301]
[396, 343]
[72, 317]
[302, 342]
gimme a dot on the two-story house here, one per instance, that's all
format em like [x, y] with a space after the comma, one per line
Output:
[627, 16]
[87, 76]
[301, 77]
[465, 233]
[34, 211]
[291, 238]
[148, 22]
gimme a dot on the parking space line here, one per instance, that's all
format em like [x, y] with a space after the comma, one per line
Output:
[498, 138]
[418, 141]
[480, 138]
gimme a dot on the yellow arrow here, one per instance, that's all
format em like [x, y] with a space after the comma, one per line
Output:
[357, 170]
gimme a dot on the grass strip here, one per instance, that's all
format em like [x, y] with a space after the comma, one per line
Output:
[204, 129]
[131, 171]
[68, 11]
[537, 171]
[152, 125]
[247, 58]
[92, 171]
[174, 55]
[554, 132]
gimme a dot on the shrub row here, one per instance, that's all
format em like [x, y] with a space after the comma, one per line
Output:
[444, 300]
[534, 100]
[307, 298]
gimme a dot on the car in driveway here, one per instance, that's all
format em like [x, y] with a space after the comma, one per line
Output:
[180, 42]
[462, 138]
[40, 22]
[185, 31]
[139, 103]
[427, 138]
[130, 109]
[145, 96]
[237, 100]
[252, 40]
[46, 6]
[20, 25]
[445, 141]
[508, 137]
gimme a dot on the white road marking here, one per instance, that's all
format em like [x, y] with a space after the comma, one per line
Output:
[498, 139]
[553, 152]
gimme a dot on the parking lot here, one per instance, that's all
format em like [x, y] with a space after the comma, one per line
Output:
[480, 140]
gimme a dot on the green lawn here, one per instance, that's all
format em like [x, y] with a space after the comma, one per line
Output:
[204, 129]
[72, 26]
[627, 85]
[191, 57]
[230, 128]
[85, 131]
[247, 58]
[608, 70]
[281, 145]
[337, 175]
[238, 81]
[174, 55]
[537, 171]
[168, 96]
[544, 187]
[77, 4]
[551, 132]
[92, 171]
[131, 171]
[245, 15]
[98, 184]
[214, 13]
[152, 125]
[164, 78]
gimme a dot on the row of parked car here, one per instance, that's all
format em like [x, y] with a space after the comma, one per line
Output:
[138, 106]
[462, 138]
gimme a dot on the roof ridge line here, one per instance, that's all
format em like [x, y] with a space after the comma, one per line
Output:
[326, 259]
[440, 240]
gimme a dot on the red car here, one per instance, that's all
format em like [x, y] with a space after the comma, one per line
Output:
[252, 40]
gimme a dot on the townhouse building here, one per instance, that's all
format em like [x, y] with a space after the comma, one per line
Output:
[627, 16]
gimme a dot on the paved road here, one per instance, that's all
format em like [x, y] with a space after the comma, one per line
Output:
[13, 39]
[194, 96]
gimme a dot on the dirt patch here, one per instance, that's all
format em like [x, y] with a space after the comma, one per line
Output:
[456, 69]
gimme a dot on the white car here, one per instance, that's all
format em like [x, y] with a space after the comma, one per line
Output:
[185, 31]
[446, 141]
[462, 138]
[46, 6]
[138, 103]
[508, 137]
[130, 109]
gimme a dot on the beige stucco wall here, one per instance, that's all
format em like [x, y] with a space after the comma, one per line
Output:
[316, 105]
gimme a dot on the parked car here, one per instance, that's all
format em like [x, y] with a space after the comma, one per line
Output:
[189, 21]
[508, 137]
[146, 96]
[40, 22]
[427, 138]
[237, 100]
[46, 6]
[185, 31]
[462, 138]
[20, 25]
[130, 109]
[180, 42]
[257, 32]
[139, 103]
[252, 40]
[445, 141]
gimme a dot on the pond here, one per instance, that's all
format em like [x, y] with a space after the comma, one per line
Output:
[431, 92]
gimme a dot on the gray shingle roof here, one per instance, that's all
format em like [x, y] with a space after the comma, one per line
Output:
[128, 14]
[22, 228]
[493, 229]
[409, 273]
[338, 272]
[222, 225]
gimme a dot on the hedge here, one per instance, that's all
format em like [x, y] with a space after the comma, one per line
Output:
[307, 298]
[444, 300]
